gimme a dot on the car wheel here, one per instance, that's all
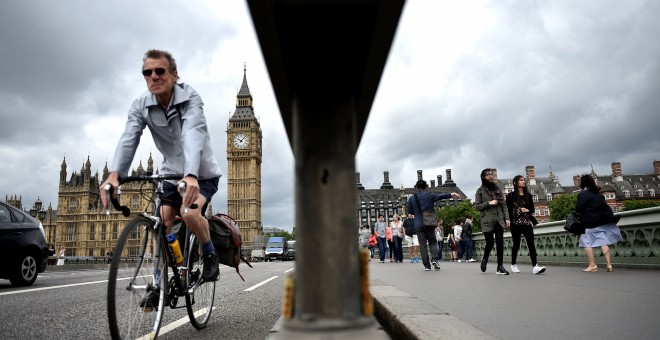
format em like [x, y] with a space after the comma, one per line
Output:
[26, 273]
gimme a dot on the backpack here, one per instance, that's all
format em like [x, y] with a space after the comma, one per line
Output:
[226, 238]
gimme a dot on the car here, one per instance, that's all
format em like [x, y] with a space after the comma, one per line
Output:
[23, 247]
[291, 252]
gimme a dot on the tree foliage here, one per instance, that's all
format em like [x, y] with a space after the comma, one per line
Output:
[452, 213]
[639, 204]
[280, 234]
[561, 206]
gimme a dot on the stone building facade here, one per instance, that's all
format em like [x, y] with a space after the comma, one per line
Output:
[617, 187]
[388, 200]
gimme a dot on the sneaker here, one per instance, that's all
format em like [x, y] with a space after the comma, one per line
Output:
[428, 269]
[483, 265]
[501, 271]
[435, 264]
[211, 270]
[412, 260]
[471, 260]
[538, 269]
[514, 268]
[459, 261]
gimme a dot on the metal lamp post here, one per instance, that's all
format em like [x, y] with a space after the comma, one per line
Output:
[403, 200]
[39, 213]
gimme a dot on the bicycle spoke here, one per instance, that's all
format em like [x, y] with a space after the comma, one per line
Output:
[199, 300]
[132, 310]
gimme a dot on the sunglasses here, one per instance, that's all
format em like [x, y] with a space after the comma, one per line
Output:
[159, 71]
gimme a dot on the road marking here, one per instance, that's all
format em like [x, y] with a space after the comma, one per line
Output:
[172, 326]
[290, 269]
[54, 287]
[260, 284]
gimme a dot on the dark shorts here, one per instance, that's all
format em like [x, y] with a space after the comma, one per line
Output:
[207, 188]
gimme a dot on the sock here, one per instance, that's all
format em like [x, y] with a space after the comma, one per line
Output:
[208, 248]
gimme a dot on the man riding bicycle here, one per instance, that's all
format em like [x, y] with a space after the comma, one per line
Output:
[175, 117]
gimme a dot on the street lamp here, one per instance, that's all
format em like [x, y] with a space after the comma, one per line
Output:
[37, 210]
[403, 199]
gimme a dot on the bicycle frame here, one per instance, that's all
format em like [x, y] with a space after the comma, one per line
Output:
[160, 229]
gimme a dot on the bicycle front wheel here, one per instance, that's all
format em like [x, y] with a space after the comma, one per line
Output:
[199, 299]
[137, 283]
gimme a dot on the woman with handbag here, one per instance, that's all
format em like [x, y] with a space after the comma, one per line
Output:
[521, 206]
[600, 223]
[491, 204]
[397, 237]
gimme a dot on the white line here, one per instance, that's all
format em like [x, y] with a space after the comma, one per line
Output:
[290, 269]
[54, 287]
[260, 284]
[178, 323]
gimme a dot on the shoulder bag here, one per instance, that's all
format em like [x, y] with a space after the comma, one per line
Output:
[573, 224]
[428, 217]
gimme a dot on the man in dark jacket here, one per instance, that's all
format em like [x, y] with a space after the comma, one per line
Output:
[426, 233]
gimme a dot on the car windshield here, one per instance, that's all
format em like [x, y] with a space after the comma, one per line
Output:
[275, 245]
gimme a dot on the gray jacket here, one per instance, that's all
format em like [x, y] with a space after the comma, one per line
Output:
[490, 214]
[180, 134]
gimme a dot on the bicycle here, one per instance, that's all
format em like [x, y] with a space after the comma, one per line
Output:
[133, 310]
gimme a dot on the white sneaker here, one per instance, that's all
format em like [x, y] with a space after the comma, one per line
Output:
[538, 269]
[459, 261]
[514, 268]
[471, 260]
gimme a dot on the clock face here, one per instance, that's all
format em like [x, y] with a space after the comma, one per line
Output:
[241, 141]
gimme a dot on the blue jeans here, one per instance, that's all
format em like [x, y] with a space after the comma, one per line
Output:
[398, 248]
[469, 245]
[382, 247]
[459, 250]
[439, 250]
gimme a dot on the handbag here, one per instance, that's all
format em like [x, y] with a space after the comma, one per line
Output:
[573, 224]
[428, 217]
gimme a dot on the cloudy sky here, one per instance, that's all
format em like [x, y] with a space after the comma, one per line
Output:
[468, 85]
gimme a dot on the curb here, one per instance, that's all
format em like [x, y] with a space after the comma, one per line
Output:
[404, 316]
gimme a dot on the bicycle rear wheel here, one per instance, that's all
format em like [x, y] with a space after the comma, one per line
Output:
[199, 300]
[136, 295]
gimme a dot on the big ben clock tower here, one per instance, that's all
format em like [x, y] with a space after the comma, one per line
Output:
[244, 167]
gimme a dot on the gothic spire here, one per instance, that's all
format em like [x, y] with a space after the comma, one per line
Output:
[244, 108]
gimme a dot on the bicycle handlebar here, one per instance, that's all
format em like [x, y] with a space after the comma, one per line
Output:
[126, 211]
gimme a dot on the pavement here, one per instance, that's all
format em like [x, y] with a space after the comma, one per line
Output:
[459, 301]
